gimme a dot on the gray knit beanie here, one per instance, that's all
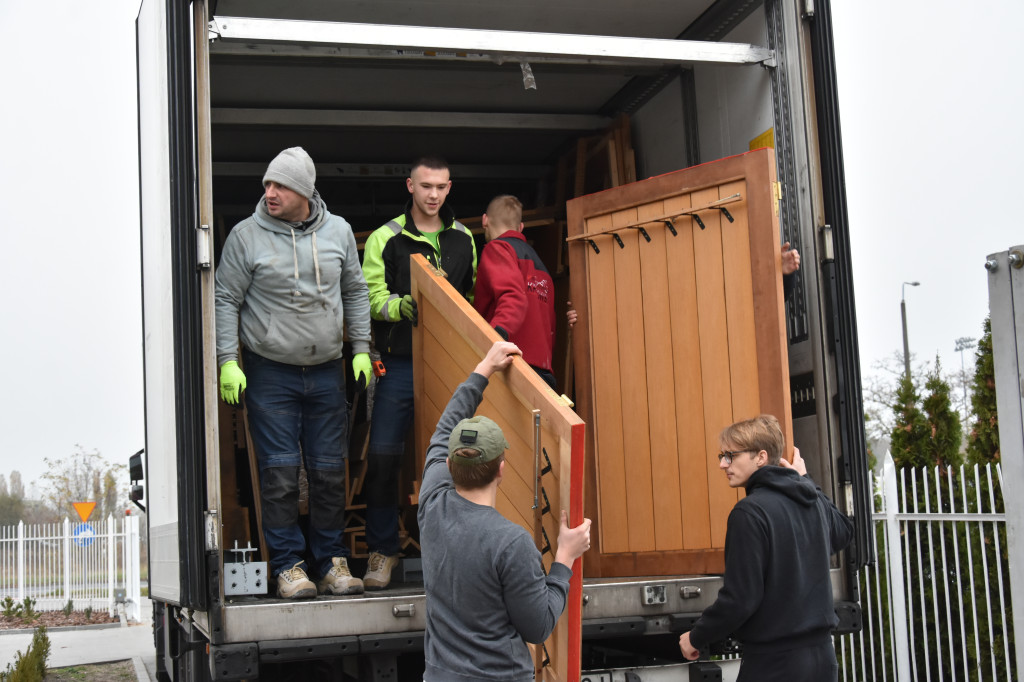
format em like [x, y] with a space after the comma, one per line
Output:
[294, 169]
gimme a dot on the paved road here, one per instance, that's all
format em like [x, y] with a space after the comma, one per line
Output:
[94, 644]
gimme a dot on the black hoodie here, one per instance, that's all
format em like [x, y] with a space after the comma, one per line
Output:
[777, 593]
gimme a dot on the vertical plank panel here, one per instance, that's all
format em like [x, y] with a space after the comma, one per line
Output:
[714, 355]
[766, 267]
[664, 446]
[613, 520]
[632, 362]
[739, 301]
[689, 395]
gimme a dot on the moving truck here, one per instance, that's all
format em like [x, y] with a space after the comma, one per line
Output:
[664, 151]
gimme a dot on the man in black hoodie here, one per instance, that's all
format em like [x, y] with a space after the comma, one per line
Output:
[777, 595]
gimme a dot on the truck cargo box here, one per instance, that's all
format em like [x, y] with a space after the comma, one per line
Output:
[604, 119]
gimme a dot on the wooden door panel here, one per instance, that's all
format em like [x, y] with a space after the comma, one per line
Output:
[680, 335]
[448, 342]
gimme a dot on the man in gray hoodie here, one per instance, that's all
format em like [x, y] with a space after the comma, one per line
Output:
[289, 286]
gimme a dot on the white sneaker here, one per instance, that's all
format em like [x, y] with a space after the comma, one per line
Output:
[378, 571]
[293, 583]
[339, 579]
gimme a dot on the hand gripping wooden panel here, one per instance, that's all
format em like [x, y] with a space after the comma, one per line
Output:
[678, 283]
[448, 342]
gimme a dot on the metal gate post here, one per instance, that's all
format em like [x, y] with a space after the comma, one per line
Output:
[111, 567]
[66, 547]
[21, 560]
[894, 550]
[1006, 310]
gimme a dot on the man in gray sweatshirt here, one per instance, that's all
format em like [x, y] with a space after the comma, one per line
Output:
[289, 286]
[487, 594]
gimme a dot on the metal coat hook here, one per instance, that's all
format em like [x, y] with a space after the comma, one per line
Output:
[594, 244]
[671, 227]
[726, 213]
[643, 232]
[619, 240]
[697, 218]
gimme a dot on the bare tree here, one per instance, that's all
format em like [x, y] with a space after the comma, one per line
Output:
[17, 487]
[84, 476]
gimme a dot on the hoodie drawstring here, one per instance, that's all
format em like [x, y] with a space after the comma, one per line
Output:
[316, 263]
[295, 258]
[316, 266]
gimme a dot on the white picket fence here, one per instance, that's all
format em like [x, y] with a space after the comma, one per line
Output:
[937, 601]
[93, 565]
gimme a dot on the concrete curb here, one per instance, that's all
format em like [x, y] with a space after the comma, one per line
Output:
[140, 670]
[61, 628]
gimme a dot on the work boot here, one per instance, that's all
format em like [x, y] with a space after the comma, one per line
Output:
[292, 583]
[378, 571]
[339, 579]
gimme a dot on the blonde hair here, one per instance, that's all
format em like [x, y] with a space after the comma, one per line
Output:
[760, 433]
[505, 211]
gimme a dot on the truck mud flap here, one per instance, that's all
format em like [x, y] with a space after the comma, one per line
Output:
[286, 650]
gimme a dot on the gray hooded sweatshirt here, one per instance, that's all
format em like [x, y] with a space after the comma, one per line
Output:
[284, 289]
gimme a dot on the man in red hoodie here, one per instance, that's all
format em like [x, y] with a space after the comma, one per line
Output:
[514, 290]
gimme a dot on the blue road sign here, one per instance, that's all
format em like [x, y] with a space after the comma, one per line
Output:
[84, 534]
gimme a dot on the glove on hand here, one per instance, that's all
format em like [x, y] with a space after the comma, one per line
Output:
[408, 309]
[232, 382]
[362, 370]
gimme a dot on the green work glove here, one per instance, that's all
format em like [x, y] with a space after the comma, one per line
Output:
[408, 309]
[361, 369]
[232, 382]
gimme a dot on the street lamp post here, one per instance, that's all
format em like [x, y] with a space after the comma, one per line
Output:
[962, 344]
[903, 313]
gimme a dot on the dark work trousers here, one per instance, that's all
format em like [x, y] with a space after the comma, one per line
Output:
[816, 663]
[389, 425]
[299, 415]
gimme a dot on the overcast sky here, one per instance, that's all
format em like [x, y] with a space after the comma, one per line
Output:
[930, 110]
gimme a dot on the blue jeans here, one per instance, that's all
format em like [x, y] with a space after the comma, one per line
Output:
[389, 424]
[299, 414]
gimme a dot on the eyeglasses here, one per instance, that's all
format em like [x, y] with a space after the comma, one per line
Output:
[727, 455]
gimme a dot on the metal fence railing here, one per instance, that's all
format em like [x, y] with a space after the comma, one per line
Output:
[92, 565]
[936, 603]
